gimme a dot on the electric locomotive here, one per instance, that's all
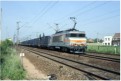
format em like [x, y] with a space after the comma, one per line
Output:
[71, 40]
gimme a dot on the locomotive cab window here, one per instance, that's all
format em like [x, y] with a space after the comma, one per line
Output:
[81, 35]
[75, 35]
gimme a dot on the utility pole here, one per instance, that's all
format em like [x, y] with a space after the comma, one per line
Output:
[97, 37]
[1, 27]
[17, 33]
[7, 33]
[14, 36]
[73, 18]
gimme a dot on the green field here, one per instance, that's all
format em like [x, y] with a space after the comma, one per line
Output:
[104, 49]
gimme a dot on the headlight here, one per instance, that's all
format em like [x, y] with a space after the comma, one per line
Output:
[73, 44]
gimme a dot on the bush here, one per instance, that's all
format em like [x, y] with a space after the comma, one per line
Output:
[10, 62]
[12, 68]
[4, 45]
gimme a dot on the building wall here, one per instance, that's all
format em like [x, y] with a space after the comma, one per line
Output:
[116, 42]
[108, 40]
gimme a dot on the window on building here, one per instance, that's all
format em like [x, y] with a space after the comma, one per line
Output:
[108, 39]
[105, 43]
[105, 39]
[108, 43]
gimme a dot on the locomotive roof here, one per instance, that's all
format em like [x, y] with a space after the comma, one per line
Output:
[69, 30]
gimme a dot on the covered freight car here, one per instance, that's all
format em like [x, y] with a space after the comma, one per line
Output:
[44, 41]
[41, 42]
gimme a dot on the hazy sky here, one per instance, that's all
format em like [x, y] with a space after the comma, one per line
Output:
[37, 17]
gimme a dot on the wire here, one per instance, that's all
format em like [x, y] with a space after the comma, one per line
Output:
[45, 11]
[65, 17]
[97, 6]
[49, 8]
[41, 11]
[38, 14]
[101, 19]
[91, 8]
[78, 13]
[101, 15]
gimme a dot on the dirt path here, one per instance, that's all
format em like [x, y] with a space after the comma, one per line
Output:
[32, 72]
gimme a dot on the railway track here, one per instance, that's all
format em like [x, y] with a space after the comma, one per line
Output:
[101, 57]
[90, 70]
[99, 62]
[94, 56]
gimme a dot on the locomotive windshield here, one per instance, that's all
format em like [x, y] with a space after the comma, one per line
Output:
[75, 35]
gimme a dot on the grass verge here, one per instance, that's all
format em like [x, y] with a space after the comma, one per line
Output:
[104, 49]
[11, 68]
[10, 64]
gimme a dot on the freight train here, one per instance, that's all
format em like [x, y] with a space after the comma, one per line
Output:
[70, 40]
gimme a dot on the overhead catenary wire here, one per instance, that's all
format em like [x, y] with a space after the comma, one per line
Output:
[40, 13]
[49, 8]
[92, 19]
[32, 20]
[44, 12]
[107, 13]
[82, 8]
[77, 14]
[94, 8]
[50, 26]
[91, 9]
[72, 12]
[103, 19]
[24, 25]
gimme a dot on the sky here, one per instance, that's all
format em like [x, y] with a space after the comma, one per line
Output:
[96, 18]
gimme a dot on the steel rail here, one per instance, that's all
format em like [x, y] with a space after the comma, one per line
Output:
[73, 66]
[80, 63]
[102, 58]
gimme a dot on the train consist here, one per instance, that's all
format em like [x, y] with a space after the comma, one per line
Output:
[70, 40]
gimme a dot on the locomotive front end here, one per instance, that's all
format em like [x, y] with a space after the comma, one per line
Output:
[76, 41]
